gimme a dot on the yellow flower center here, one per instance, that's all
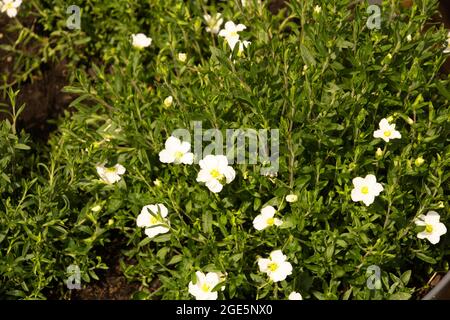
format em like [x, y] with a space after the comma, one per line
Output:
[429, 228]
[216, 174]
[233, 34]
[153, 220]
[365, 190]
[273, 266]
[270, 221]
[387, 133]
[111, 170]
[205, 287]
[178, 155]
[9, 6]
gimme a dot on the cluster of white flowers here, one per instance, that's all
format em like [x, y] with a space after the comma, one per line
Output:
[10, 7]
[366, 189]
[230, 32]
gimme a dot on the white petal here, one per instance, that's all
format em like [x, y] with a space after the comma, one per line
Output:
[143, 219]
[358, 182]
[120, 169]
[368, 199]
[384, 125]
[187, 158]
[173, 144]
[166, 156]
[230, 26]
[378, 134]
[154, 231]
[422, 235]
[268, 212]
[434, 238]
[185, 147]
[260, 223]
[212, 279]
[432, 217]
[371, 179]
[263, 264]
[440, 229]
[214, 185]
[162, 210]
[277, 256]
[240, 27]
[203, 176]
[278, 222]
[357, 195]
[229, 174]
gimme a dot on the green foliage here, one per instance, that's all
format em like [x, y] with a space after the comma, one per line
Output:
[323, 79]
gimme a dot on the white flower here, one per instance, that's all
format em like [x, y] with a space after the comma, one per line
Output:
[408, 38]
[230, 33]
[242, 45]
[205, 283]
[213, 23]
[291, 198]
[447, 49]
[295, 296]
[215, 172]
[387, 131]
[366, 189]
[168, 101]
[317, 9]
[266, 219]
[276, 267]
[433, 228]
[10, 6]
[176, 152]
[153, 219]
[182, 57]
[140, 40]
[110, 175]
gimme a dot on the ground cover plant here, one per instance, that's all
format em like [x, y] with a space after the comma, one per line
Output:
[221, 150]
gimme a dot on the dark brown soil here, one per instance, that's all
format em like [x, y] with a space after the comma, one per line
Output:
[41, 93]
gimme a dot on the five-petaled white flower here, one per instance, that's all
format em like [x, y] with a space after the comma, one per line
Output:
[447, 48]
[153, 219]
[276, 267]
[141, 41]
[266, 219]
[213, 23]
[317, 9]
[433, 228]
[230, 33]
[202, 289]
[387, 131]
[366, 189]
[110, 175]
[215, 172]
[295, 296]
[176, 152]
[10, 7]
